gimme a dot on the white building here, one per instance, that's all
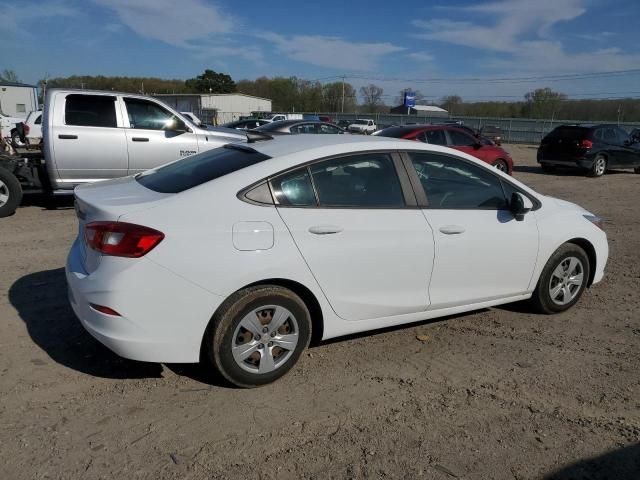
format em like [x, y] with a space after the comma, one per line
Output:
[221, 107]
[18, 99]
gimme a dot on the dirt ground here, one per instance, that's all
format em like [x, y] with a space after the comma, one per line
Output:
[501, 393]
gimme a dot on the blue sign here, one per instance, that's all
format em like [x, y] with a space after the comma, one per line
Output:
[409, 99]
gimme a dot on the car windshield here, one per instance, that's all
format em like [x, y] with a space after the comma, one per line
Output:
[192, 171]
[273, 126]
[360, 122]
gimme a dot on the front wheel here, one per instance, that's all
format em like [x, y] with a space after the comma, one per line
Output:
[258, 335]
[10, 193]
[16, 142]
[599, 167]
[501, 165]
[562, 280]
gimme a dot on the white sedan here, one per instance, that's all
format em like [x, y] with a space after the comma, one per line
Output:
[239, 256]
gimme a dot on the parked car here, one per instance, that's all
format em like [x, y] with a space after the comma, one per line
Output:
[362, 125]
[454, 137]
[28, 132]
[246, 124]
[493, 133]
[285, 127]
[634, 135]
[319, 236]
[91, 136]
[593, 148]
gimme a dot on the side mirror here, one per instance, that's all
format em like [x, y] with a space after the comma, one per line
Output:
[177, 125]
[520, 205]
[477, 146]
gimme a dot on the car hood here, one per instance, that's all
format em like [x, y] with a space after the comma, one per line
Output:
[563, 204]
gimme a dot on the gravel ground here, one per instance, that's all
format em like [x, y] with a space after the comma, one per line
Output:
[501, 393]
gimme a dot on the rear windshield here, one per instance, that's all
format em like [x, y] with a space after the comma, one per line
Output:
[570, 133]
[396, 132]
[184, 174]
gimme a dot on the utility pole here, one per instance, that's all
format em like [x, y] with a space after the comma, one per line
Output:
[343, 78]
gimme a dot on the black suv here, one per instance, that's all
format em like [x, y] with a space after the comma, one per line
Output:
[594, 148]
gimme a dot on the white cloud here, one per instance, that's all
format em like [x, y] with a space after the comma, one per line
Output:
[17, 15]
[331, 52]
[420, 57]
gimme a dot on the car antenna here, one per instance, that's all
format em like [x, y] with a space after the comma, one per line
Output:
[253, 137]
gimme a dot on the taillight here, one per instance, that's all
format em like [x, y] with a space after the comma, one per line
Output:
[121, 239]
[26, 129]
[586, 144]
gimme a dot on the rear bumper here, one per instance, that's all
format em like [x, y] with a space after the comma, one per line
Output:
[163, 317]
[585, 162]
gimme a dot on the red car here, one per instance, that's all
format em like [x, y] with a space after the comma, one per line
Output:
[453, 137]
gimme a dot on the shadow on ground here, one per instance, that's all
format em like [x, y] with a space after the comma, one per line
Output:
[48, 202]
[41, 301]
[620, 464]
[562, 172]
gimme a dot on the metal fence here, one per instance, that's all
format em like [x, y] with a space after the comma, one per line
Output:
[514, 130]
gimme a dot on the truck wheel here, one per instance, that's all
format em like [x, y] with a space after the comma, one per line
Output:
[15, 139]
[10, 193]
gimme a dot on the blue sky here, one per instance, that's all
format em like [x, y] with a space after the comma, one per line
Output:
[434, 47]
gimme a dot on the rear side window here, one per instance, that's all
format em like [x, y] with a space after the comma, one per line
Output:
[367, 180]
[460, 139]
[192, 171]
[435, 137]
[90, 111]
[294, 188]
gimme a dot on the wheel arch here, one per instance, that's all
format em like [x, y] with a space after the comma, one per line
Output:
[307, 296]
[590, 250]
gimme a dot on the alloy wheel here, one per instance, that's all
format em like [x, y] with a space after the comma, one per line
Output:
[4, 193]
[566, 281]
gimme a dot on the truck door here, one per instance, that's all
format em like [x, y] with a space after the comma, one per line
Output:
[155, 135]
[88, 141]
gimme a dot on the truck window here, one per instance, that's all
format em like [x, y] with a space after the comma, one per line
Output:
[90, 110]
[148, 115]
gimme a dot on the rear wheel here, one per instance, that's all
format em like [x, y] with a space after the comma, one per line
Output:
[258, 335]
[562, 280]
[16, 142]
[10, 193]
[599, 167]
[501, 165]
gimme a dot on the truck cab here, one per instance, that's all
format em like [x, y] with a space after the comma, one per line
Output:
[96, 135]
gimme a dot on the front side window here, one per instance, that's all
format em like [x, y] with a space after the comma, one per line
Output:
[38, 120]
[365, 180]
[460, 139]
[294, 189]
[90, 110]
[452, 183]
[149, 115]
[610, 136]
[304, 128]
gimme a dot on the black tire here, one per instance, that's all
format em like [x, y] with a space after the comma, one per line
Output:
[224, 331]
[636, 170]
[16, 141]
[599, 166]
[501, 165]
[10, 193]
[541, 299]
[548, 168]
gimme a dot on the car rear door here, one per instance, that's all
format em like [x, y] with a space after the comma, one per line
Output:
[481, 252]
[154, 135]
[88, 140]
[368, 247]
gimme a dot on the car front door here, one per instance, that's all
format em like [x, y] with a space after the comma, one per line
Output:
[482, 252]
[370, 250]
[466, 143]
[155, 136]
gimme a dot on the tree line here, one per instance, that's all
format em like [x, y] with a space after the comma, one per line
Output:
[295, 94]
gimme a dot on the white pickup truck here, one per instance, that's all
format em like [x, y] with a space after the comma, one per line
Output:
[90, 136]
[276, 117]
[363, 125]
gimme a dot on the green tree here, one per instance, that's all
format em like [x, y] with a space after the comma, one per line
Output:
[544, 102]
[333, 97]
[211, 82]
[451, 104]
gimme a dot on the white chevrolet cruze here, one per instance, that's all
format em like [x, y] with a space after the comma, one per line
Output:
[239, 256]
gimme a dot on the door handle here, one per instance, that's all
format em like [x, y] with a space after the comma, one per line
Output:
[68, 137]
[325, 229]
[139, 139]
[452, 229]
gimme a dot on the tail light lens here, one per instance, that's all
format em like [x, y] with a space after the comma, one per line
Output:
[586, 144]
[26, 129]
[121, 239]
